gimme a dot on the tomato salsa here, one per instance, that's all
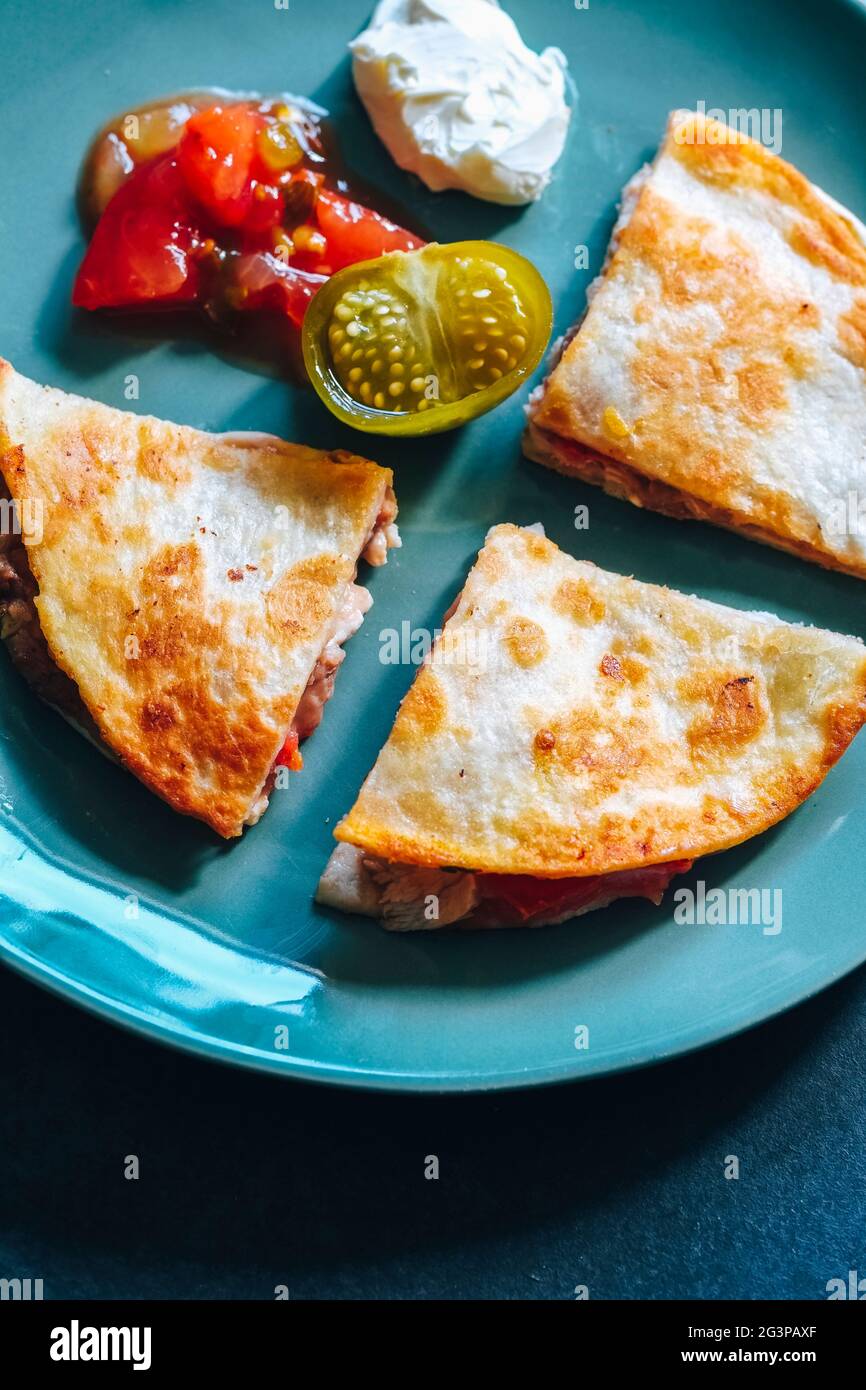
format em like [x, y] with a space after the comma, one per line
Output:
[222, 203]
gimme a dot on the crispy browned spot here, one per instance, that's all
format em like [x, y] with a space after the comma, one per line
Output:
[172, 560]
[161, 458]
[537, 547]
[88, 474]
[163, 628]
[424, 710]
[155, 716]
[526, 642]
[425, 806]
[301, 598]
[622, 647]
[733, 713]
[822, 235]
[179, 648]
[545, 739]
[761, 389]
[575, 599]
[634, 671]
[822, 244]
[699, 264]
[491, 565]
[843, 722]
[799, 361]
[585, 742]
[852, 333]
[163, 640]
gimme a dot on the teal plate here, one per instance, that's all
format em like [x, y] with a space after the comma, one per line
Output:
[120, 905]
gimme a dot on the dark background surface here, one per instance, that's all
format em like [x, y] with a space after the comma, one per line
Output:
[248, 1182]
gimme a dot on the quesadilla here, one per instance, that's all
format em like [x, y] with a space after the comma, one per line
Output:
[181, 597]
[577, 737]
[720, 371]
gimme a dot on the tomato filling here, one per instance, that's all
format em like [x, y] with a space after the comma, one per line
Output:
[233, 212]
[519, 899]
[290, 755]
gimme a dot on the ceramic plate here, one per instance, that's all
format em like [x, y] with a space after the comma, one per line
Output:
[110, 898]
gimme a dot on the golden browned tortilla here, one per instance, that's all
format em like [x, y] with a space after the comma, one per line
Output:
[187, 582]
[575, 722]
[720, 371]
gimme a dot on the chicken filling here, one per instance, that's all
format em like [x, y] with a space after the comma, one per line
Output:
[418, 899]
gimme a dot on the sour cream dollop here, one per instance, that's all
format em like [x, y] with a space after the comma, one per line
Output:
[456, 97]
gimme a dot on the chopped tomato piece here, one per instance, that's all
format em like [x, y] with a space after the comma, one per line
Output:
[265, 212]
[214, 203]
[289, 755]
[216, 154]
[525, 897]
[355, 233]
[267, 282]
[528, 896]
[142, 247]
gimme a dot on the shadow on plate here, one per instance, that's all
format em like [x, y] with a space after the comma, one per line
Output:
[505, 958]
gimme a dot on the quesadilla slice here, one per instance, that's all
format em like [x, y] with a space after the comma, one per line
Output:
[181, 597]
[577, 737]
[719, 373]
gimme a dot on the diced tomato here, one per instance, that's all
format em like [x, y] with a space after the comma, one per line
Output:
[141, 249]
[270, 283]
[520, 897]
[211, 220]
[216, 153]
[265, 212]
[527, 896]
[355, 233]
[289, 755]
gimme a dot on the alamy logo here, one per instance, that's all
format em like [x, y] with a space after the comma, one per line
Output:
[22, 517]
[763, 124]
[77, 1343]
[854, 1287]
[411, 646]
[20, 1290]
[846, 516]
[753, 907]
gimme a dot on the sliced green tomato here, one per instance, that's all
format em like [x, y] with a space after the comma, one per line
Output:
[422, 341]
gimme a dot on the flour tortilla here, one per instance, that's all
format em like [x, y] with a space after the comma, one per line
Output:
[576, 722]
[187, 582]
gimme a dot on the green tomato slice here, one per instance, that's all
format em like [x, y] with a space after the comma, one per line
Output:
[422, 341]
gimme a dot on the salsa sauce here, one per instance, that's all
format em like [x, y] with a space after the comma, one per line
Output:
[224, 202]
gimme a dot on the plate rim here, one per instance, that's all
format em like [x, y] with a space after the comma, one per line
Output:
[135, 1020]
